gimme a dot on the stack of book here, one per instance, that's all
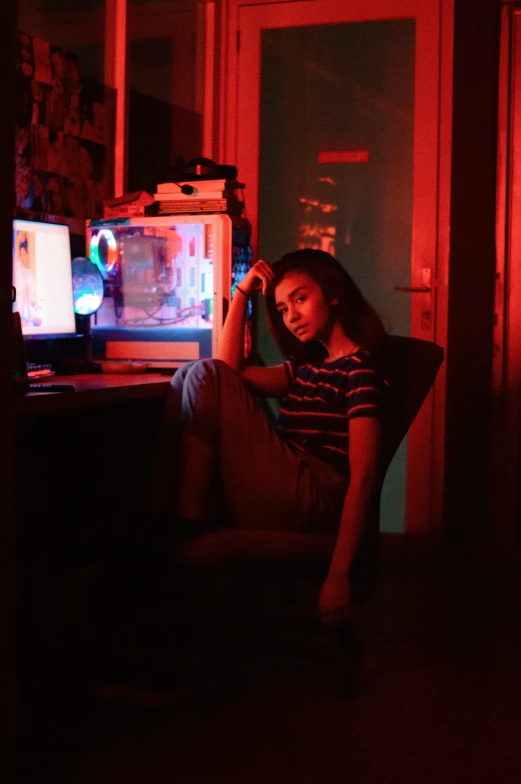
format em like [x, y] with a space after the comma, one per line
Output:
[206, 196]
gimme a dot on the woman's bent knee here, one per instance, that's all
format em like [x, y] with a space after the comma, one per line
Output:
[178, 379]
[210, 373]
[209, 366]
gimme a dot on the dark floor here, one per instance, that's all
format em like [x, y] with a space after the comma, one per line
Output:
[439, 701]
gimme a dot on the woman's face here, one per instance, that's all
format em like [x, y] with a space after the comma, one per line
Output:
[304, 309]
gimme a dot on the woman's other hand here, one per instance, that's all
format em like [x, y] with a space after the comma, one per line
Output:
[334, 601]
[259, 277]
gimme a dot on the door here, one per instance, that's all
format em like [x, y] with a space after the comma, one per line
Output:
[336, 139]
[504, 535]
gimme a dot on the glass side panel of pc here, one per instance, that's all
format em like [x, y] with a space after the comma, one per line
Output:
[167, 283]
[42, 276]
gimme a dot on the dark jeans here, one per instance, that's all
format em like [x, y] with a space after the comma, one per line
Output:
[266, 484]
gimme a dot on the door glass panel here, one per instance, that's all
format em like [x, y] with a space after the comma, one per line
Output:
[166, 75]
[336, 168]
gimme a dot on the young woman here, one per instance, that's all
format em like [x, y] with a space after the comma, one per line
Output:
[319, 467]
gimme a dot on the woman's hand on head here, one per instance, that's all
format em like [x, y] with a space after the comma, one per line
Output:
[258, 278]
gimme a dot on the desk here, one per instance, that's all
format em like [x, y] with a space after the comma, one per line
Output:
[84, 459]
[83, 465]
[95, 389]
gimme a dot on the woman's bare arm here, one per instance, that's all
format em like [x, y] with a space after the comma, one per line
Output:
[365, 438]
[231, 344]
[365, 435]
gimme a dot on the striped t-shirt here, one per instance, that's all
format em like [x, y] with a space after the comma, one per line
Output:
[323, 397]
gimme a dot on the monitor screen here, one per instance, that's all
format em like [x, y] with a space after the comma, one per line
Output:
[42, 276]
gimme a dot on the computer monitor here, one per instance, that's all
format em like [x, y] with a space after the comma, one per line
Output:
[42, 276]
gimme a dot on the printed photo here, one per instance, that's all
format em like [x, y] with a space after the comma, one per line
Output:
[24, 278]
[70, 163]
[91, 93]
[25, 59]
[100, 123]
[39, 93]
[74, 80]
[23, 187]
[58, 67]
[73, 202]
[72, 115]
[42, 61]
[24, 101]
[40, 147]
[55, 108]
[91, 199]
[55, 160]
[92, 161]
[54, 195]
[23, 147]
[39, 191]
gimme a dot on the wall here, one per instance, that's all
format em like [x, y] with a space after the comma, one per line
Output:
[472, 265]
[64, 133]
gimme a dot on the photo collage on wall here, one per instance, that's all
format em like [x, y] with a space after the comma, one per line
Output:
[64, 134]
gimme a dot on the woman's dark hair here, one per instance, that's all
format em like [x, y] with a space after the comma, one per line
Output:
[359, 320]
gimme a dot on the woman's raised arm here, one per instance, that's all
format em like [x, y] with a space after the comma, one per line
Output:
[231, 344]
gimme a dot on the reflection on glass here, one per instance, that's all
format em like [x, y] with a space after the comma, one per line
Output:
[341, 93]
[337, 106]
[166, 68]
[58, 22]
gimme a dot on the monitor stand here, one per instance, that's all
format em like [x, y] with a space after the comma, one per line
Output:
[85, 364]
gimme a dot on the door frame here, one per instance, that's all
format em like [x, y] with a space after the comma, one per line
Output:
[503, 535]
[226, 151]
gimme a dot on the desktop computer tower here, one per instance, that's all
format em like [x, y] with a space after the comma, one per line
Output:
[168, 282]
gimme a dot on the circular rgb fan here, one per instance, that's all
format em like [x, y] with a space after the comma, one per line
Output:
[104, 252]
[87, 285]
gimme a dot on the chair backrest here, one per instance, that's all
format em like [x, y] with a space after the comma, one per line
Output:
[411, 366]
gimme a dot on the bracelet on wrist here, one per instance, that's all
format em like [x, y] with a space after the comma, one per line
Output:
[238, 288]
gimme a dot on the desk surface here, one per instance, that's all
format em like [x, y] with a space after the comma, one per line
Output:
[96, 389]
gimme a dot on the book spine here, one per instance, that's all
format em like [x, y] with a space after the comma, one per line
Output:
[175, 196]
[200, 186]
[222, 205]
[209, 185]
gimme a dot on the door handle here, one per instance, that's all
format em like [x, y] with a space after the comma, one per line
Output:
[414, 289]
[425, 288]
[426, 303]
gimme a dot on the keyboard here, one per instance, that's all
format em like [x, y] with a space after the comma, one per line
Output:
[51, 388]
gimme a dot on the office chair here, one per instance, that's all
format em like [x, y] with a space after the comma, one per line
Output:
[411, 367]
